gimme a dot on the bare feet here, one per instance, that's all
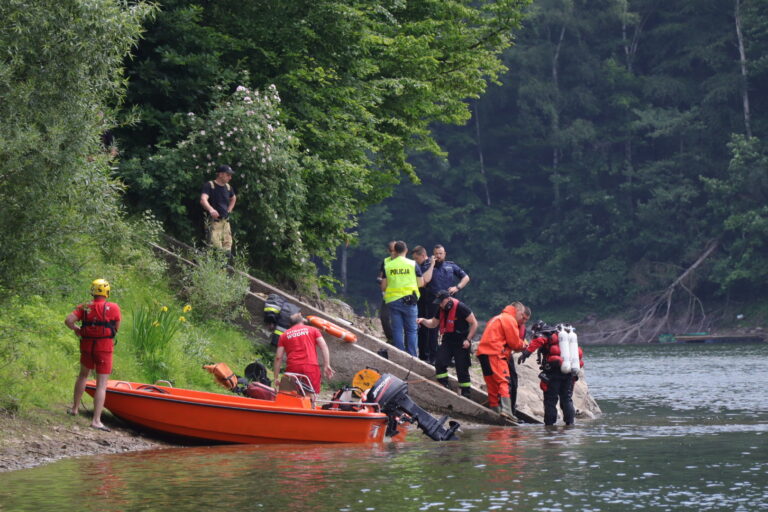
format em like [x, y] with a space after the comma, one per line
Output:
[101, 427]
[72, 412]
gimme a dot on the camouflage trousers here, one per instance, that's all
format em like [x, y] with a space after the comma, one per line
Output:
[220, 234]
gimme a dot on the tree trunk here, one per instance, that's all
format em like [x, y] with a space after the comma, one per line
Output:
[556, 120]
[344, 268]
[630, 51]
[480, 154]
[743, 64]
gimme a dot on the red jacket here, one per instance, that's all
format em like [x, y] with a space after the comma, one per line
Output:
[501, 335]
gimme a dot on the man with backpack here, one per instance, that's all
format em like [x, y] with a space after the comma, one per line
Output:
[218, 199]
[277, 315]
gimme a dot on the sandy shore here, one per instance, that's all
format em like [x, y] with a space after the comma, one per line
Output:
[45, 436]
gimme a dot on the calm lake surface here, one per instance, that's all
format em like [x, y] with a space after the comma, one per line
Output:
[685, 427]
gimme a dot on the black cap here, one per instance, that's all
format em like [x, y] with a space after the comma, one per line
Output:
[225, 168]
[441, 296]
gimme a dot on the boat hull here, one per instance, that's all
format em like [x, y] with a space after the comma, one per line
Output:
[237, 419]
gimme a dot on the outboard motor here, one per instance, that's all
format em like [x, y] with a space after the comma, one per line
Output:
[391, 394]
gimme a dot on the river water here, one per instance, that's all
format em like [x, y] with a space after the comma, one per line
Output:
[684, 428]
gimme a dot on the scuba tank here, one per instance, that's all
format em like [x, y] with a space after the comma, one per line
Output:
[564, 341]
[573, 341]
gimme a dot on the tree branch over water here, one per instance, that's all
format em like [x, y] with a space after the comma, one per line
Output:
[650, 324]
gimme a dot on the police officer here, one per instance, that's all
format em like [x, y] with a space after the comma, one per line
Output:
[99, 323]
[401, 282]
[446, 275]
[386, 324]
[457, 325]
[426, 300]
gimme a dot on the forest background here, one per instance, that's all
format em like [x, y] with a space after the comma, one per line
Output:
[611, 160]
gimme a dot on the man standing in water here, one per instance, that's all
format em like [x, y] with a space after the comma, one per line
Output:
[555, 384]
[500, 338]
[99, 323]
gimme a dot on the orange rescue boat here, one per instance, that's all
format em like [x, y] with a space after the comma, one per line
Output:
[283, 417]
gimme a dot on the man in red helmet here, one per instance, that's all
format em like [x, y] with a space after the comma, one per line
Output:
[99, 322]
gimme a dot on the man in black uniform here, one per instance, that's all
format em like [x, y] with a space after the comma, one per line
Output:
[457, 326]
[426, 308]
[446, 275]
[218, 198]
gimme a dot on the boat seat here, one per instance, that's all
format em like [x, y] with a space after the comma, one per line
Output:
[295, 383]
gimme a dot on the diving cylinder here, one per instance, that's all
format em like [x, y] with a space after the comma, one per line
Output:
[574, 351]
[564, 341]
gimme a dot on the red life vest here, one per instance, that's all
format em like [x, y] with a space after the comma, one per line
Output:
[549, 346]
[95, 325]
[448, 321]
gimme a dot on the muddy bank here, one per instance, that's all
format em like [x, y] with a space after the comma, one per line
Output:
[42, 437]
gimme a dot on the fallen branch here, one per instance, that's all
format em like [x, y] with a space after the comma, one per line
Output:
[640, 329]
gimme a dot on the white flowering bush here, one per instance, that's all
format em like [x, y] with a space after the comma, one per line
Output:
[244, 131]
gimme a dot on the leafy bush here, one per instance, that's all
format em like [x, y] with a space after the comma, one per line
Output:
[242, 130]
[212, 290]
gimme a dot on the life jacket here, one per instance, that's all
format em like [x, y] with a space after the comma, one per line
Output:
[346, 399]
[448, 319]
[223, 374]
[94, 324]
[260, 391]
[549, 356]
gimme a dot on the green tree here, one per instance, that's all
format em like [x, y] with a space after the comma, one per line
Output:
[59, 69]
[739, 202]
[361, 82]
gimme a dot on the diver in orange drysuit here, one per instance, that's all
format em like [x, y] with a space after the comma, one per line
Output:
[500, 338]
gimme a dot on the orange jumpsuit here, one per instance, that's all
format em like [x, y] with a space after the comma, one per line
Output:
[500, 338]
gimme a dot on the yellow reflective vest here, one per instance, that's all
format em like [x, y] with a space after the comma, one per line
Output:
[401, 278]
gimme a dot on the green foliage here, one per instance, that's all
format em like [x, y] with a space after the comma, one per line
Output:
[60, 66]
[212, 290]
[39, 356]
[608, 164]
[740, 199]
[361, 81]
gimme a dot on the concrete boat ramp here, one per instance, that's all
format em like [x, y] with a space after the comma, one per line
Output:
[349, 358]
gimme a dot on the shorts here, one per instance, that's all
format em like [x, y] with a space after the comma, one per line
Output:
[312, 371]
[97, 355]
